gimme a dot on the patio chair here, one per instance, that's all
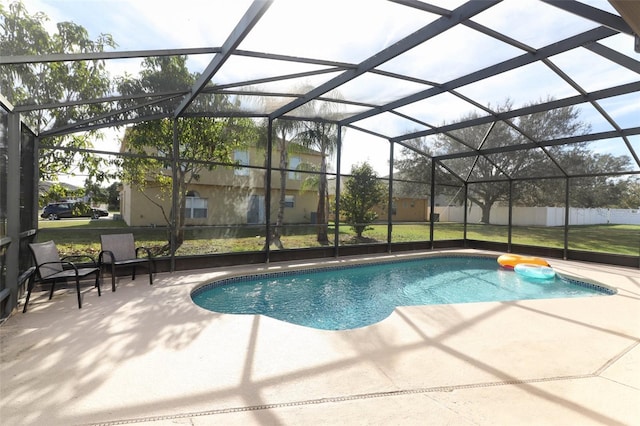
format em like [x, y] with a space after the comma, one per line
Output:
[120, 250]
[51, 268]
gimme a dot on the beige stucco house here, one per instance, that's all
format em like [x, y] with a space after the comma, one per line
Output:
[229, 195]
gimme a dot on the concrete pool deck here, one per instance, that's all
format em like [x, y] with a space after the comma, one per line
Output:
[147, 355]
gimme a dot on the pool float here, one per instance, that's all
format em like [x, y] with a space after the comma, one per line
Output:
[509, 260]
[538, 272]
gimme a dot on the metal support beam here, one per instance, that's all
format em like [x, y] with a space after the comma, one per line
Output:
[552, 142]
[248, 21]
[461, 14]
[336, 214]
[592, 13]
[98, 56]
[36, 181]
[508, 65]
[475, 160]
[567, 206]
[109, 125]
[13, 207]
[614, 56]
[267, 191]
[532, 109]
[466, 214]
[432, 201]
[390, 200]
[175, 193]
[510, 220]
[72, 128]
[94, 101]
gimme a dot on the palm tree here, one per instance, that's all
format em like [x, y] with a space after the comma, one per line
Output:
[284, 132]
[321, 137]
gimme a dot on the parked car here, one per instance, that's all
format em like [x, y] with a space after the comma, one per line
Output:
[55, 211]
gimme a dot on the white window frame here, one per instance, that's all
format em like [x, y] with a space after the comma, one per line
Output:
[193, 204]
[290, 201]
[294, 162]
[242, 158]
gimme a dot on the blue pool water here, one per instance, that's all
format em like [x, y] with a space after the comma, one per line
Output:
[356, 296]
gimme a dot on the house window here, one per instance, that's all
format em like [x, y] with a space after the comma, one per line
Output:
[241, 158]
[195, 207]
[294, 162]
[289, 201]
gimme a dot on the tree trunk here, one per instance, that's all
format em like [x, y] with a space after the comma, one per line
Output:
[178, 232]
[486, 212]
[321, 212]
[277, 230]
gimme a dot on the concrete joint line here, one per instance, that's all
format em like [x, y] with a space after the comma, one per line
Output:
[345, 398]
[615, 359]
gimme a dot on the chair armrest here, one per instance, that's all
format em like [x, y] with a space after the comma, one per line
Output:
[101, 257]
[26, 275]
[146, 250]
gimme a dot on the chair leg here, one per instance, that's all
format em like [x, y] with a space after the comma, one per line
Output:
[53, 285]
[78, 291]
[26, 302]
[150, 267]
[30, 285]
[133, 272]
[113, 277]
[98, 282]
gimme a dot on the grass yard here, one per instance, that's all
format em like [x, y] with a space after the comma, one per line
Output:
[83, 236]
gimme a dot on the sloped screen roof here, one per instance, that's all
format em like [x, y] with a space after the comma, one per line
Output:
[401, 70]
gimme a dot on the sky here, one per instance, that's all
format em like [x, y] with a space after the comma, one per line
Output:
[351, 31]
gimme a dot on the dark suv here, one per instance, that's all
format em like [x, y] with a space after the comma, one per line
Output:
[55, 211]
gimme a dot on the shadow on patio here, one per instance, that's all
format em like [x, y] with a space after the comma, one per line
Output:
[146, 353]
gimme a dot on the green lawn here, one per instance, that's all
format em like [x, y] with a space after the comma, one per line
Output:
[83, 236]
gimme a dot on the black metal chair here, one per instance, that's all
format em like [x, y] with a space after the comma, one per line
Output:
[119, 250]
[50, 268]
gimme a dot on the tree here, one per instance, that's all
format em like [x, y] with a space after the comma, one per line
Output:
[491, 173]
[321, 136]
[514, 164]
[54, 192]
[55, 82]
[95, 192]
[631, 197]
[362, 192]
[158, 75]
[284, 131]
[203, 141]
[413, 175]
[597, 192]
[113, 196]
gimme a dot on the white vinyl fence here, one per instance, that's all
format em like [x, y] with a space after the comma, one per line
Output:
[542, 216]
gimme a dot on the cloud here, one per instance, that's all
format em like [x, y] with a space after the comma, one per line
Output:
[150, 24]
[348, 31]
[359, 147]
[533, 22]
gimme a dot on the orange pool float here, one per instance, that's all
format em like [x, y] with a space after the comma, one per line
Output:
[509, 260]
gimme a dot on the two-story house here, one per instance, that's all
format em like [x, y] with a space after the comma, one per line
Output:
[229, 195]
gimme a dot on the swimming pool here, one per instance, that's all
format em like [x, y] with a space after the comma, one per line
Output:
[345, 297]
